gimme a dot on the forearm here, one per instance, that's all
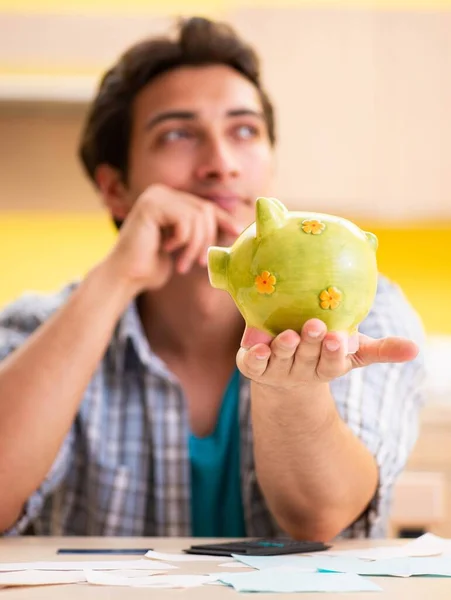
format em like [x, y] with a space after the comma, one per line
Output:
[42, 384]
[316, 475]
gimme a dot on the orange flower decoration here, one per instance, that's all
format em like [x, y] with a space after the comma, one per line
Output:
[265, 282]
[313, 226]
[330, 298]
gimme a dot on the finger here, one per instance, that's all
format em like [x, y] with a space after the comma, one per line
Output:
[226, 222]
[252, 336]
[309, 350]
[332, 362]
[353, 343]
[253, 363]
[386, 350]
[283, 348]
[210, 232]
[193, 247]
[180, 235]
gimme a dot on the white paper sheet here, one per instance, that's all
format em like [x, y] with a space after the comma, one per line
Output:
[182, 557]
[154, 581]
[137, 573]
[426, 545]
[79, 565]
[232, 565]
[31, 578]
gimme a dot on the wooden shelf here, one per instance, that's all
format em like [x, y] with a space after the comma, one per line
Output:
[47, 88]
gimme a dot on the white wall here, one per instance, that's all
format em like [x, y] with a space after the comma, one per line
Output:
[363, 100]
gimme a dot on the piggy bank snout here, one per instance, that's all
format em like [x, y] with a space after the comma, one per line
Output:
[217, 265]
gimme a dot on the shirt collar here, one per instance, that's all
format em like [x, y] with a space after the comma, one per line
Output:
[130, 329]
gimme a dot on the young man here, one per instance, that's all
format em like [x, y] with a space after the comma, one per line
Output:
[121, 409]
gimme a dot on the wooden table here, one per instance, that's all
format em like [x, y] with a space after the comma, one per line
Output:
[35, 548]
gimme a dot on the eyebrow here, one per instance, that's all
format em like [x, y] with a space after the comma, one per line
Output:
[187, 115]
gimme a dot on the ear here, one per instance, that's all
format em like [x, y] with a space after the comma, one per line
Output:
[113, 191]
[271, 214]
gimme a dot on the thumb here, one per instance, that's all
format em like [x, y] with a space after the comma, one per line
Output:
[252, 336]
[386, 350]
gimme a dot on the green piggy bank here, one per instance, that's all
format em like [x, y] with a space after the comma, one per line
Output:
[289, 267]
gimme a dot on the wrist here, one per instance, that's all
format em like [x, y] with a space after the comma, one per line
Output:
[297, 391]
[113, 283]
[309, 407]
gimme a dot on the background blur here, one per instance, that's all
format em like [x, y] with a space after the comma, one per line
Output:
[363, 97]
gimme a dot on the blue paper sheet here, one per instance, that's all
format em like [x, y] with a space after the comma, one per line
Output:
[438, 566]
[286, 580]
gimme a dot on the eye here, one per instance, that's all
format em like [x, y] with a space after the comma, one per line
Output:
[174, 135]
[246, 132]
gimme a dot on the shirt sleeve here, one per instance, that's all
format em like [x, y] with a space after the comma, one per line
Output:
[381, 403]
[17, 322]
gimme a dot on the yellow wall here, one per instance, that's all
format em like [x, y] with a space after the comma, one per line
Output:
[419, 259]
[42, 252]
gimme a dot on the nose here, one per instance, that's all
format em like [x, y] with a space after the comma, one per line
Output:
[217, 161]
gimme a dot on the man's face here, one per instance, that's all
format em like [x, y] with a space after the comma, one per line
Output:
[201, 130]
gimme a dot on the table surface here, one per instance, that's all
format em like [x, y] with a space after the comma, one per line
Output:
[20, 549]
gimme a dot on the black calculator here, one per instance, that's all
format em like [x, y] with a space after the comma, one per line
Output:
[258, 547]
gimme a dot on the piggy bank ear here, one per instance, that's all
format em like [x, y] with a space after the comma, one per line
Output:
[271, 215]
[372, 240]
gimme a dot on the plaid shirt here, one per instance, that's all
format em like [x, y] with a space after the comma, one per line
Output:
[123, 469]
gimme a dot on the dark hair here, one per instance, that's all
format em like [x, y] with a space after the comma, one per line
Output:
[106, 134]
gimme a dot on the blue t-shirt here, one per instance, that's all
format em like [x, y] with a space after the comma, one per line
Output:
[216, 503]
